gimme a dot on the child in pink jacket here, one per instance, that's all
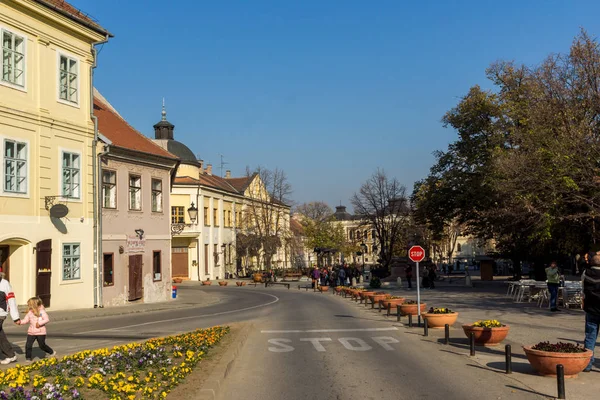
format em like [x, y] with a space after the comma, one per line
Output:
[37, 317]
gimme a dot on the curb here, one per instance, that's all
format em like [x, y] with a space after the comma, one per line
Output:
[211, 388]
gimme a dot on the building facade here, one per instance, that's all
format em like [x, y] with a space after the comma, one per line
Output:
[135, 181]
[47, 245]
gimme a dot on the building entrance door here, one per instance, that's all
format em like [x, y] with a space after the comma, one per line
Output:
[179, 262]
[43, 269]
[135, 277]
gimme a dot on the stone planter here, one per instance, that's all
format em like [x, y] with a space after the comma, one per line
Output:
[324, 288]
[440, 320]
[487, 336]
[363, 294]
[406, 309]
[206, 283]
[223, 283]
[376, 297]
[393, 302]
[545, 362]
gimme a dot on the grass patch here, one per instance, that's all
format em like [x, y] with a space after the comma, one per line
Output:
[147, 370]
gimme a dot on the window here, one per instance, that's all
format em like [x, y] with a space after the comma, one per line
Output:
[107, 269]
[71, 255]
[216, 255]
[177, 216]
[216, 216]
[68, 79]
[229, 218]
[135, 192]
[229, 254]
[15, 166]
[156, 266]
[109, 189]
[458, 248]
[13, 58]
[156, 195]
[206, 217]
[71, 174]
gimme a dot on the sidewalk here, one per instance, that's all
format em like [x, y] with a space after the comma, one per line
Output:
[528, 323]
[187, 297]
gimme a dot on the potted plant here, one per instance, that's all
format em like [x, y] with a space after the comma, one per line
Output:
[439, 317]
[323, 288]
[391, 300]
[207, 282]
[488, 332]
[545, 356]
[177, 280]
[375, 297]
[410, 307]
[222, 283]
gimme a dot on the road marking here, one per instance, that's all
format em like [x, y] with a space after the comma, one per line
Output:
[284, 348]
[185, 318]
[384, 341]
[361, 344]
[317, 342]
[333, 330]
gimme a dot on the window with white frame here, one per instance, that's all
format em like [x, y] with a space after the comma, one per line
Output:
[71, 261]
[109, 189]
[13, 58]
[15, 166]
[68, 79]
[135, 192]
[71, 175]
[156, 195]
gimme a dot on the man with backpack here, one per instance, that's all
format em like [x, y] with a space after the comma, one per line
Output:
[8, 304]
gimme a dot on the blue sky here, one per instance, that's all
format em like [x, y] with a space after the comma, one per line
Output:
[326, 90]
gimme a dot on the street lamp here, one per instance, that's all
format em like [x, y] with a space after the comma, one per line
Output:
[193, 213]
[178, 227]
[364, 250]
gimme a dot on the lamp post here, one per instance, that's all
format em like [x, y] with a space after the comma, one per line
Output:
[364, 249]
[193, 213]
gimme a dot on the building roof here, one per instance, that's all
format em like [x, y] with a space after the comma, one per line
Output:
[120, 133]
[240, 184]
[341, 214]
[296, 227]
[73, 13]
[206, 180]
[179, 149]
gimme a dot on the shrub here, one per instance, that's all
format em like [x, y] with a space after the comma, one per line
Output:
[559, 347]
[437, 310]
[375, 283]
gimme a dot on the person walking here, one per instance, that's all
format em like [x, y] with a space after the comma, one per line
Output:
[8, 304]
[37, 318]
[590, 279]
[408, 272]
[553, 280]
[431, 277]
[342, 276]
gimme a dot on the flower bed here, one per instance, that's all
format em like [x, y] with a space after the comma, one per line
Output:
[147, 370]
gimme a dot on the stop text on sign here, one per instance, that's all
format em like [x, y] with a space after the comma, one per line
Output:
[416, 253]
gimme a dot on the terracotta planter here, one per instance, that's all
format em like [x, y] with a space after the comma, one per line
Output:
[241, 283]
[324, 288]
[487, 336]
[177, 280]
[338, 289]
[393, 302]
[376, 297]
[223, 283]
[545, 362]
[440, 320]
[363, 294]
[257, 278]
[406, 309]
[206, 283]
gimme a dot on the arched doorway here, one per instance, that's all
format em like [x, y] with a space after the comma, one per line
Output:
[16, 261]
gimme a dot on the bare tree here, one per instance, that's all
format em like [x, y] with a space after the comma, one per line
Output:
[266, 214]
[383, 204]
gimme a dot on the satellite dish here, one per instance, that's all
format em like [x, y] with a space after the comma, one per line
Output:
[59, 211]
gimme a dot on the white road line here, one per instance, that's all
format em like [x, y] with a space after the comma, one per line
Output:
[334, 330]
[185, 318]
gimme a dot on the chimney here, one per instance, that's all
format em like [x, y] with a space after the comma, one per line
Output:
[227, 174]
[209, 169]
[201, 163]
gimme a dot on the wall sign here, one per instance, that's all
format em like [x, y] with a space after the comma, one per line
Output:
[135, 245]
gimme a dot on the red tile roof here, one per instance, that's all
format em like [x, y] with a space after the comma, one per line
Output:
[74, 13]
[240, 184]
[121, 134]
[296, 227]
[207, 180]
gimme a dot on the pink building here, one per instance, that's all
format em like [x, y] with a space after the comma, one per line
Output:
[135, 182]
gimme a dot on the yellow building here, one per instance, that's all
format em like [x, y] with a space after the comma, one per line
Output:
[47, 142]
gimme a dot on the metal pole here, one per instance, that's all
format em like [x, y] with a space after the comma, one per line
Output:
[425, 328]
[446, 334]
[508, 357]
[418, 293]
[472, 343]
[560, 381]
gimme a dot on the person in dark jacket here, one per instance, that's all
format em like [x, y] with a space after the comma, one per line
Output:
[591, 304]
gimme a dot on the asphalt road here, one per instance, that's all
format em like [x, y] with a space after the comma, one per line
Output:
[301, 345]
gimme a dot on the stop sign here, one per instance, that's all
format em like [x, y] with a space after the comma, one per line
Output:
[416, 253]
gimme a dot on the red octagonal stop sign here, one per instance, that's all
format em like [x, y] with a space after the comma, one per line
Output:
[416, 253]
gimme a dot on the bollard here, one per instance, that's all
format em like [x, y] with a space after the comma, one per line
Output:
[425, 328]
[447, 334]
[389, 309]
[508, 357]
[379, 305]
[410, 320]
[560, 381]
[472, 343]
[174, 292]
[398, 315]
[366, 301]
[373, 304]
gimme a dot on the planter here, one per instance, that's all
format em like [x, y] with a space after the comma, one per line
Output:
[206, 283]
[338, 289]
[406, 309]
[257, 278]
[376, 297]
[177, 280]
[487, 336]
[223, 283]
[440, 320]
[386, 302]
[324, 288]
[241, 283]
[363, 294]
[545, 362]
